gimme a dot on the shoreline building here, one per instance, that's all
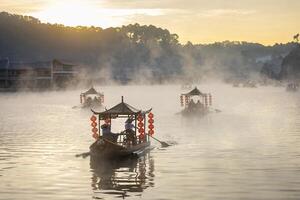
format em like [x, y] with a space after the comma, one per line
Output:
[36, 75]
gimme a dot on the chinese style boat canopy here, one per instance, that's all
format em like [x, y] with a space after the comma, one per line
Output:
[121, 109]
[91, 91]
[194, 92]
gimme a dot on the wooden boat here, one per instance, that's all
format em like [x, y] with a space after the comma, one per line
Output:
[106, 148]
[292, 87]
[91, 99]
[130, 142]
[249, 84]
[201, 107]
[236, 85]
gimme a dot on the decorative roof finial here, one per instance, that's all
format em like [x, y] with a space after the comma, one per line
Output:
[122, 98]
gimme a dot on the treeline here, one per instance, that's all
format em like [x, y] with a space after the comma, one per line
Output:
[130, 52]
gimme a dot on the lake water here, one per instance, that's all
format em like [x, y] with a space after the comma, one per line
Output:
[250, 150]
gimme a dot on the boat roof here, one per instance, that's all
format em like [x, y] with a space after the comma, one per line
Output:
[121, 109]
[194, 92]
[91, 91]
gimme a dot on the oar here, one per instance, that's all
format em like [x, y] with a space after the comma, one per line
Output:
[163, 144]
[83, 155]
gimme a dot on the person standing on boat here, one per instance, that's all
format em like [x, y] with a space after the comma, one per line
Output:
[107, 134]
[191, 105]
[199, 105]
[129, 130]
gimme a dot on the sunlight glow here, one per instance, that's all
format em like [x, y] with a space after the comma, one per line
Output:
[86, 14]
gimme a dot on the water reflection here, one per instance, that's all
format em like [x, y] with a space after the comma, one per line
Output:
[121, 178]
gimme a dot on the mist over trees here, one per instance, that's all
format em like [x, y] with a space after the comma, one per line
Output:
[132, 52]
[290, 69]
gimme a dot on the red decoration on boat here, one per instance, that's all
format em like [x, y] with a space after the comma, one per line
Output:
[151, 121]
[140, 118]
[93, 118]
[151, 132]
[141, 137]
[93, 124]
[151, 126]
[95, 136]
[95, 130]
[141, 130]
[187, 99]
[181, 100]
[206, 100]
[150, 115]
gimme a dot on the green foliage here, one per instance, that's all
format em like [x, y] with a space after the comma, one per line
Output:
[126, 50]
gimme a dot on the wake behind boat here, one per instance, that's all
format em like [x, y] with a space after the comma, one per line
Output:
[134, 140]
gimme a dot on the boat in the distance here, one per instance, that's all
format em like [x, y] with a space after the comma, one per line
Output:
[195, 103]
[133, 141]
[292, 87]
[249, 84]
[91, 99]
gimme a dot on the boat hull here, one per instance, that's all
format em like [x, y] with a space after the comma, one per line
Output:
[93, 104]
[194, 112]
[106, 149]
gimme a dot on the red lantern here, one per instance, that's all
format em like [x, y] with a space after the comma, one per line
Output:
[140, 118]
[181, 100]
[141, 137]
[93, 118]
[93, 124]
[140, 124]
[151, 121]
[151, 132]
[96, 136]
[95, 130]
[150, 115]
[141, 130]
[206, 100]
[187, 99]
[151, 126]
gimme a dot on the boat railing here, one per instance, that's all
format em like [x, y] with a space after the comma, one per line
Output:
[123, 139]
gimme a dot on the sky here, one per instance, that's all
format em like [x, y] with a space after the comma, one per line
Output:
[198, 21]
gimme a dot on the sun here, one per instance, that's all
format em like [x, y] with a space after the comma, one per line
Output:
[77, 13]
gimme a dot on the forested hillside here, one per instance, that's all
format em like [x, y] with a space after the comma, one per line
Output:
[124, 53]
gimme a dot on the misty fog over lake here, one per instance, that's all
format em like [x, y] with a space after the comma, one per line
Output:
[162, 100]
[249, 150]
